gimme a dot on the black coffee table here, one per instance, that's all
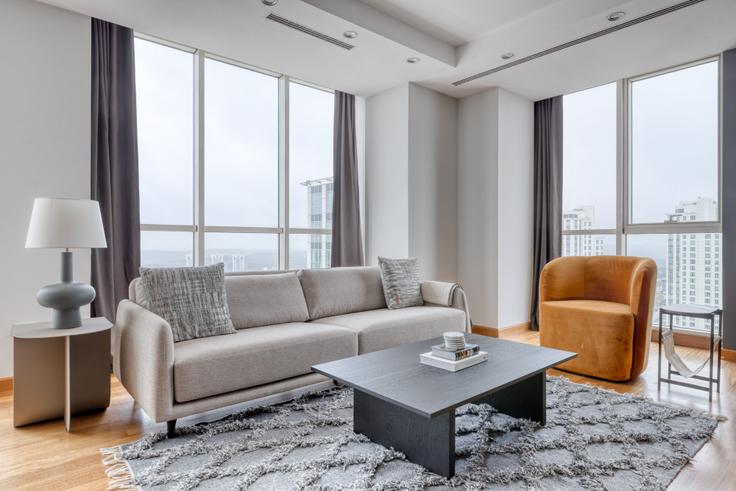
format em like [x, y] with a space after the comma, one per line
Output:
[403, 404]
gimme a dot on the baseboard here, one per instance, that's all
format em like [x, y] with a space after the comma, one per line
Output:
[501, 332]
[6, 384]
[728, 354]
[698, 340]
[484, 330]
[687, 339]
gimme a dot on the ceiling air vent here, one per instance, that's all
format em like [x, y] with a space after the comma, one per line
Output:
[581, 40]
[308, 30]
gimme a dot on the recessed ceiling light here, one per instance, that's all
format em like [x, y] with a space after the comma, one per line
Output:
[413, 59]
[616, 16]
[270, 3]
[350, 34]
[507, 56]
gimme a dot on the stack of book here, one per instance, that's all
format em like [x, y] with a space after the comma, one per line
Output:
[455, 355]
[453, 360]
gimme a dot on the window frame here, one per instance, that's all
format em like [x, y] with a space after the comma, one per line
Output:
[624, 174]
[625, 126]
[199, 228]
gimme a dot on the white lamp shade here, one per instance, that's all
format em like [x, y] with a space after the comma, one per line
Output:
[65, 223]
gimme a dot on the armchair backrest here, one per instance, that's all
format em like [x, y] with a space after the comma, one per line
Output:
[608, 278]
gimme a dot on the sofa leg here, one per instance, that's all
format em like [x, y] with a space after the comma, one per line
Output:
[171, 428]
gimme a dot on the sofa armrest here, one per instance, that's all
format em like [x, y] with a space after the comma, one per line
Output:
[455, 297]
[144, 358]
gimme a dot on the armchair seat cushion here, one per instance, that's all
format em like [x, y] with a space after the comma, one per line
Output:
[385, 328]
[259, 355]
[600, 332]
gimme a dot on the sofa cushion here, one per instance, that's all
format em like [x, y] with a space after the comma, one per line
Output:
[339, 291]
[259, 355]
[601, 333]
[192, 300]
[384, 328]
[265, 299]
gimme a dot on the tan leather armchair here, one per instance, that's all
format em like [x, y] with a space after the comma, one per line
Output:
[600, 307]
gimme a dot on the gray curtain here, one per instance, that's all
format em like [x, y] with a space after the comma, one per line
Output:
[728, 207]
[114, 159]
[547, 242]
[347, 241]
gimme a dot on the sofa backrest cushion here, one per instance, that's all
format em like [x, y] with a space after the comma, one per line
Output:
[338, 291]
[255, 299]
[264, 299]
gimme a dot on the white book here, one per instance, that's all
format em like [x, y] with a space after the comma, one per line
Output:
[452, 366]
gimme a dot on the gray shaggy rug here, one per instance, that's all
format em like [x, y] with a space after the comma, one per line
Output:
[594, 439]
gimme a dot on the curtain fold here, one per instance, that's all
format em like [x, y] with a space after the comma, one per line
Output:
[114, 164]
[347, 241]
[547, 244]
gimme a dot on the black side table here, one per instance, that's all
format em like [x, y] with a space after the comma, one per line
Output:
[716, 341]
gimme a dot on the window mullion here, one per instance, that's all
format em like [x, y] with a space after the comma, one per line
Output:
[284, 172]
[622, 163]
[199, 163]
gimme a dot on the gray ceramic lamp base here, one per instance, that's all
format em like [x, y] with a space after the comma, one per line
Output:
[66, 298]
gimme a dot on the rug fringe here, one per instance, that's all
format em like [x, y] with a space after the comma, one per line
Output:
[117, 469]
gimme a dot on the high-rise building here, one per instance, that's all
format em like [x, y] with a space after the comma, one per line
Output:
[580, 218]
[694, 260]
[319, 208]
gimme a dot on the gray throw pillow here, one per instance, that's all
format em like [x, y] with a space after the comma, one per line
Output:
[191, 300]
[401, 285]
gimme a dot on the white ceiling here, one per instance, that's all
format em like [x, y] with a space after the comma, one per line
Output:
[458, 21]
[453, 38]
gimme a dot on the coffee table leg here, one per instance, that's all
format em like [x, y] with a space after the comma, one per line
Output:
[525, 399]
[429, 442]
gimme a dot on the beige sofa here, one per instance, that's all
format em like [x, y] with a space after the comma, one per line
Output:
[286, 322]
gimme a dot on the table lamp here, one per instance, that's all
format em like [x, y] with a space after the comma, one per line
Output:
[65, 224]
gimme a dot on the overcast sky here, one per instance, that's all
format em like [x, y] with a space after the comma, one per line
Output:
[674, 143]
[241, 147]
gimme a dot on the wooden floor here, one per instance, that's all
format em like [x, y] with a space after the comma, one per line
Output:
[44, 456]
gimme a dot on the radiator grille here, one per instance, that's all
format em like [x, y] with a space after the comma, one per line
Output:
[308, 30]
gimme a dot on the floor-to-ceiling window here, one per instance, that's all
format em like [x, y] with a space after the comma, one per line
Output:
[589, 172]
[228, 173]
[311, 114]
[165, 107]
[642, 177]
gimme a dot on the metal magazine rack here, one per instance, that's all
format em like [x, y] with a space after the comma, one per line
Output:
[681, 369]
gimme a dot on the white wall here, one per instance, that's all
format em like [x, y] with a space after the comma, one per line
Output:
[433, 182]
[515, 208]
[411, 179]
[495, 145]
[477, 204]
[45, 142]
[387, 174]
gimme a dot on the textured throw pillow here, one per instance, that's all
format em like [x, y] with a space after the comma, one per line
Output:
[191, 300]
[401, 285]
